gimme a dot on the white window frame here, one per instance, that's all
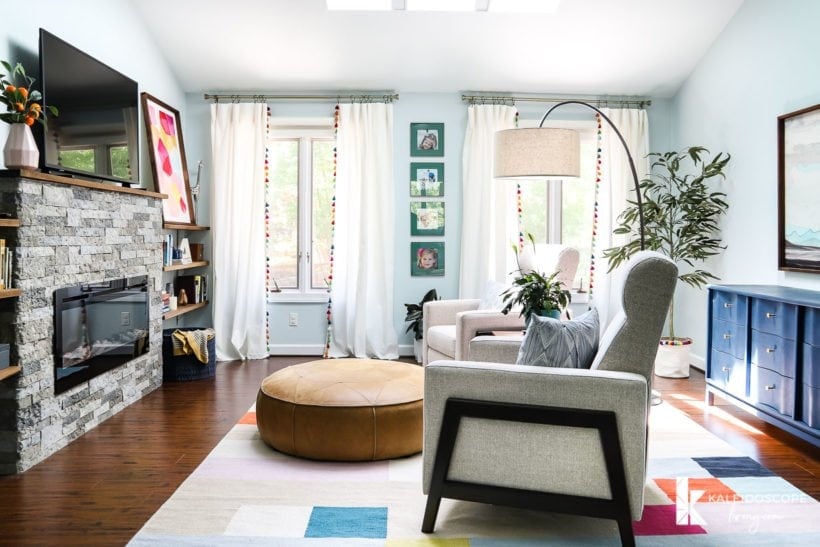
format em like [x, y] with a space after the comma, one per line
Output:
[303, 129]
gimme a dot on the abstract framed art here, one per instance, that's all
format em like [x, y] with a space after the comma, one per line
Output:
[167, 151]
[426, 139]
[426, 179]
[798, 190]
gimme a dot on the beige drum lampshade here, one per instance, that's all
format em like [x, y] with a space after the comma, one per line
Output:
[537, 152]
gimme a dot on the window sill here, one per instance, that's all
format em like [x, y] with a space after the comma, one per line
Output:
[286, 297]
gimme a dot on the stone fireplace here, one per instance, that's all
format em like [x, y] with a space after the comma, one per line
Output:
[72, 233]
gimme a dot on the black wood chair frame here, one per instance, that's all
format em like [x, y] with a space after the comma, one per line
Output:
[605, 422]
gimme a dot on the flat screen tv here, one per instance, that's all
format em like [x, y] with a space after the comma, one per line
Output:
[96, 135]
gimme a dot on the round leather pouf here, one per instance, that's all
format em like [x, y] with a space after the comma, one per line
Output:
[343, 409]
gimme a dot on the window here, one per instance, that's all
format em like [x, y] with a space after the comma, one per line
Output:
[561, 211]
[299, 199]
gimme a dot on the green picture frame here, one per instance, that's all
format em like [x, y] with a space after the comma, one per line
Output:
[427, 218]
[427, 139]
[426, 180]
[427, 258]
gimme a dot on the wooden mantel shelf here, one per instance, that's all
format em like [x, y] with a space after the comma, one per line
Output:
[105, 187]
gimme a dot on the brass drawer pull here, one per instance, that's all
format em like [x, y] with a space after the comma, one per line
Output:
[771, 349]
[770, 315]
[727, 305]
[727, 336]
[770, 387]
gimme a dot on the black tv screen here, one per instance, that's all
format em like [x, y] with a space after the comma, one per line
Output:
[96, 134]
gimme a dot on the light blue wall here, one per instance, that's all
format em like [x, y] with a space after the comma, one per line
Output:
[764, 64]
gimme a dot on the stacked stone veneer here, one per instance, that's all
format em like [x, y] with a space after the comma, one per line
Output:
[69, 235]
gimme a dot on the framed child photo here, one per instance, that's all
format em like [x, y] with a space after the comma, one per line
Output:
[427, 180]
[427, 258]
[427, 218]
[427, 139]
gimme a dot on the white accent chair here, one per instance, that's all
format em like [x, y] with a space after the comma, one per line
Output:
[564, 440]
[450, 325]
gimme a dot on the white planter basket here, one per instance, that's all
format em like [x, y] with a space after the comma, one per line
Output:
[672, 360]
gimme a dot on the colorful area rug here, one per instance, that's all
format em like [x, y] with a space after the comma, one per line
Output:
[700, 491]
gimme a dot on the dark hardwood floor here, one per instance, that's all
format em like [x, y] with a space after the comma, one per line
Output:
[102, 488]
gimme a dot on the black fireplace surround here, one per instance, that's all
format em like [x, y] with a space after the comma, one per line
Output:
[98, 327]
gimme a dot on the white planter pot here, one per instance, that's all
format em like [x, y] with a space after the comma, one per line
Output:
[417, 350]
[21, 150]
[672, 360]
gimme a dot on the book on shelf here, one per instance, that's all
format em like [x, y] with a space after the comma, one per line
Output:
[195, 287]
[6, 258]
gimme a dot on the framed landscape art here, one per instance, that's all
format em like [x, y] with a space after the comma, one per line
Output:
[426, 139]
[167, 152]
[426, 179]
[798, 195]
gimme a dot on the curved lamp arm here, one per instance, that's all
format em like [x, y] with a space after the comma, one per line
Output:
[628, 155]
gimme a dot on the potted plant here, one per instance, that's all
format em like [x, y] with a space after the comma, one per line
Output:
[415, 318]
[681, 214]
[537, 293]
[23, 108]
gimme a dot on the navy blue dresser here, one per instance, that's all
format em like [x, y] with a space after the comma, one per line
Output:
[764, 354]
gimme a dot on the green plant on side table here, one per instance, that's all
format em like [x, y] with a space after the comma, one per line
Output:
[415, 318]
[681, 215]
[537, 293]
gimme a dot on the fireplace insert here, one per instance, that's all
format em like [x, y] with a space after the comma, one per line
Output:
[98, 327]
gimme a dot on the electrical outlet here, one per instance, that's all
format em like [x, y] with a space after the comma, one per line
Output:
[125, 318]
[293, 319]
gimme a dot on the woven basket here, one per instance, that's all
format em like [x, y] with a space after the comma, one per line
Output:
[184, 368]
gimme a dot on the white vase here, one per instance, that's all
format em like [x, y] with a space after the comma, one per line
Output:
[21, 150]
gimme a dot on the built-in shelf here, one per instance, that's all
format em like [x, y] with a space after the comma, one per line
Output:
[182, 226]
[10, 293]
[195, 264]
[8, 372]
[9, 222]
[181, 310]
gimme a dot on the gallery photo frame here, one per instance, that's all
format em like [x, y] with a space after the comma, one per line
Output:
[427, 258]
[798, 136]
[427, 218]
[163, 130]
[427, 139]
[426, 179]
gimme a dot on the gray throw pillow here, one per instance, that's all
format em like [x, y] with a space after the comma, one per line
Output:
[563, 344]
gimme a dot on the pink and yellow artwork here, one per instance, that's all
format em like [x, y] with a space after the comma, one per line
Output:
[168, 160]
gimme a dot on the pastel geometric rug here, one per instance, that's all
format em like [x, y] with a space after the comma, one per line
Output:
[700, 491]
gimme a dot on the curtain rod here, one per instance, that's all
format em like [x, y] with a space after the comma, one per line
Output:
[388, 97]
[472, 99]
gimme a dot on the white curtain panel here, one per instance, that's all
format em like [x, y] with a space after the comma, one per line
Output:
[238, 133]
[364, 254]
[489, 223]
[615, 188]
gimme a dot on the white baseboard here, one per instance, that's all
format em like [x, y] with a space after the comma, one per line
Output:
[297, 349]
[698, 362]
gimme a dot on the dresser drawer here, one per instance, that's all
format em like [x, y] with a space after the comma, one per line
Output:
[728, 372]
[769, 390]
[729, 307]
[811, 326]
[775, 318]
[729, 338]
[811, 406]
[811, 365]
[774, 353]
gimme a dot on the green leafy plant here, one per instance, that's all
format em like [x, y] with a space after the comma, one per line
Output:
[415, 314]
[22, 102]
[536, 293]
[681, 214]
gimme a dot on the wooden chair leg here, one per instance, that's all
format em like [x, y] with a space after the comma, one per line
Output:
[430, 514]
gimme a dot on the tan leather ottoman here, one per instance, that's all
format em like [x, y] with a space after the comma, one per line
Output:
[343, 409]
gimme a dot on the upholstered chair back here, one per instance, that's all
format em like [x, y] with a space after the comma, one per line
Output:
[548, 258]
[630, 342]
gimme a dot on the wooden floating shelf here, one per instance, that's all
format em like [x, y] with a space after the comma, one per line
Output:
[10, 293]
[180, 226]
[181, 310]
[195, 264]
[9, 372]
[9, 222]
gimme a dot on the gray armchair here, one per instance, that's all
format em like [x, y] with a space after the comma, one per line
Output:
[564, 440]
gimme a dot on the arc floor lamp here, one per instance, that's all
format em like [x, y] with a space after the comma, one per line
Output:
[539, 152]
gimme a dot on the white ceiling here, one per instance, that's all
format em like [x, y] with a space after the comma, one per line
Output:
[606, 47]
